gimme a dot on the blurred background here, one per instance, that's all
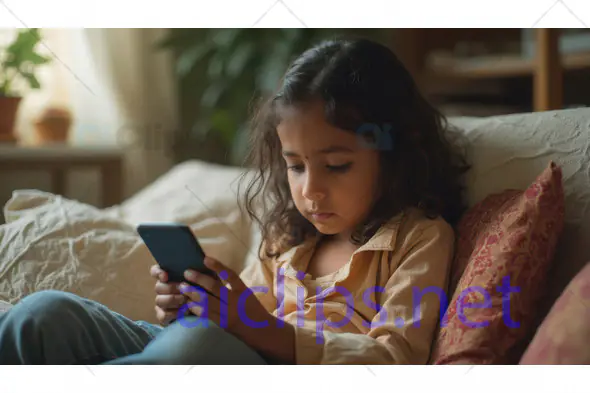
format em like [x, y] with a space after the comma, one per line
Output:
[98, 114]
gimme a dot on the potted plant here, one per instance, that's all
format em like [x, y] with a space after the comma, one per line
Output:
[221, 71]
[18, 64]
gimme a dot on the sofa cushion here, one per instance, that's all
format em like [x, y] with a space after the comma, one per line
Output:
[508, 152]
[51, 242]
[507, 240]
[204, 196]
[564, 336]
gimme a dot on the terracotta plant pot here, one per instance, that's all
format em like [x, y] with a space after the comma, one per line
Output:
[8, 110]
[53, 126]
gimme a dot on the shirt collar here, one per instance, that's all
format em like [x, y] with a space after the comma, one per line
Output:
[383, 240]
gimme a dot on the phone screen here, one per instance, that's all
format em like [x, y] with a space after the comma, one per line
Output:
[175, 249]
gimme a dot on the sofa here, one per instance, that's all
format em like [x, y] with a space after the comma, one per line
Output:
[51, 242]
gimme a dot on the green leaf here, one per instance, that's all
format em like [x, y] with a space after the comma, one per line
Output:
[189, 59]
[181, 39]
[220, 81]
[212, 94]
[201, 127]
[33, 82]
[239, 59]
[12, 62]
[36, 58]
[239, 145]
[273, 69]
[20, 59]
[216, 65]
[223, 123]
[223, 38]
[24, 43]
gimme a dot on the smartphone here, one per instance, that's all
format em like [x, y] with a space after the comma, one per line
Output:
[175, 249]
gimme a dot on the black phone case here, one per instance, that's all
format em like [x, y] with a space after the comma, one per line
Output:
[175, 249]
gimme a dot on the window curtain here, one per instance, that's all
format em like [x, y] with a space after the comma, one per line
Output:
[120, 89]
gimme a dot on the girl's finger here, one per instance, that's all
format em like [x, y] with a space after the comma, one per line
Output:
[225, 274]
[163, 288]
[195, 293]
[155, 271]
[209, 284]
[203, 304]
[159, 274]
[210, 310]
[165, 317]
[230, 276]
[170, 302]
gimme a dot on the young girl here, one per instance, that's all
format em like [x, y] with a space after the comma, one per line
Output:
[356, 193]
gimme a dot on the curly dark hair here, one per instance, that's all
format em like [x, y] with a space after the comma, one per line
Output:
[360, 82]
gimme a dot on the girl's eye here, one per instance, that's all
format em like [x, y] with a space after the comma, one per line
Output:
[296, 168]
[340, 168]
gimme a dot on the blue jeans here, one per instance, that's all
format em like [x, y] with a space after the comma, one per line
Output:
[54, 327]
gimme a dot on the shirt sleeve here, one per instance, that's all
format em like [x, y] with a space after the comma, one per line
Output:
[402, 332]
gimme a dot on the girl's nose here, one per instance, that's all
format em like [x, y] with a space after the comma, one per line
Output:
[314, 188]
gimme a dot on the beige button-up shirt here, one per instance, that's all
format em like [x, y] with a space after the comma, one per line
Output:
[382, 307]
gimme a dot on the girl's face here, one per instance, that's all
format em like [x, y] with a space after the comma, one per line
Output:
[332, 176]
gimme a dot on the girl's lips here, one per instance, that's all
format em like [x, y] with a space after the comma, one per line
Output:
[321, 216]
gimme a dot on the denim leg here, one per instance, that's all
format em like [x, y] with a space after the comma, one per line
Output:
[194, 341]
[54, 327]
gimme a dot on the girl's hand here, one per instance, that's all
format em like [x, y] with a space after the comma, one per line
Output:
[235, 307]
[169, 299]
[227, 301]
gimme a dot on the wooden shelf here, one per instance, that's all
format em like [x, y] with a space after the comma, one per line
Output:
[437, 74]
[59, 159]
[503, 67]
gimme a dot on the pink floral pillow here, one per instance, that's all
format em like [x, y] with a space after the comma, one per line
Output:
[505, 247]
[564, 335]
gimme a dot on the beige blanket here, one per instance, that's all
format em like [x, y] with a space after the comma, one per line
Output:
[50, 242]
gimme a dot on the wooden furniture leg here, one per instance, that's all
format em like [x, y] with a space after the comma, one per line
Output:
[59, 181]
[548, 76]
[111, 183]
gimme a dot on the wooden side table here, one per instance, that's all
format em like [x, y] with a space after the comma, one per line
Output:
[59, 159]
